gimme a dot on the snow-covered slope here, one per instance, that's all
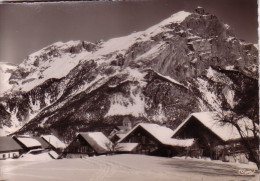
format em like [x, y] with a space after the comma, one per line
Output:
[6, 70]
[187, 63]
[56, 60]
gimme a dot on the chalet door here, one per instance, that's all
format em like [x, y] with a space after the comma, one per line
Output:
[205, 148]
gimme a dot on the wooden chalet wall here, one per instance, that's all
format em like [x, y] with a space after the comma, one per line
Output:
[9, 148]
[206, 140]
[79, 146]
[115, 138]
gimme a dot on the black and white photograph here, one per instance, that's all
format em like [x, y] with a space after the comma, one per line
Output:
[129, 90]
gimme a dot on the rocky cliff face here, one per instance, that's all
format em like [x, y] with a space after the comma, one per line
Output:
[189, 62]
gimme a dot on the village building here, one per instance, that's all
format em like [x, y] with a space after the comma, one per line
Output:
[44, 145]
[120, 131]
[115, 136]
[54, 143]
[88, 144]
[126, 147]
[27, 143]
[9, 148]
[213, 138]
[154, 139]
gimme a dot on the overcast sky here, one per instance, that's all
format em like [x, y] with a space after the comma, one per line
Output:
[28, 27]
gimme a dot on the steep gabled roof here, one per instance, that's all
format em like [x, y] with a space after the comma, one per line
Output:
[120, 135]
[54, 141]
[162, 134]
[98, 141]
[28, 141]
[7, 143]
[126, 147]
[179, 142]
[226, 131]
[44, 144]
[122, 127]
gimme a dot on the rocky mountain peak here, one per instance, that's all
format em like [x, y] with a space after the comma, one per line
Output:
[200, 10]
[187, 63]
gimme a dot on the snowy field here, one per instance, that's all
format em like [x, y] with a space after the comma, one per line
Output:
[123, 168]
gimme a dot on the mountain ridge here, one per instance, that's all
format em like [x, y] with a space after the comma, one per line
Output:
[186, 63]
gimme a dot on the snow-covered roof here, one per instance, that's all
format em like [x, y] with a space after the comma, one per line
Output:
[7, 143]
[159, 132]
[126, 147]
[120, 135]
[29, 142]
[44, 144]
[54, 141]
[226, 131]
[122, 129]
[162, 134]
[98, 141]
[179, 142]
[54, 154]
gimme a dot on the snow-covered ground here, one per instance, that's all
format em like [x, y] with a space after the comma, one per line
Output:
[123, 167]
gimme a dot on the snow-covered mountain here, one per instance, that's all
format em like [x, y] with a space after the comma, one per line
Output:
[6, 70]
[186, 63]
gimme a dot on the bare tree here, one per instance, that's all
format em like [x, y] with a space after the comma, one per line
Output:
[248, 133]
